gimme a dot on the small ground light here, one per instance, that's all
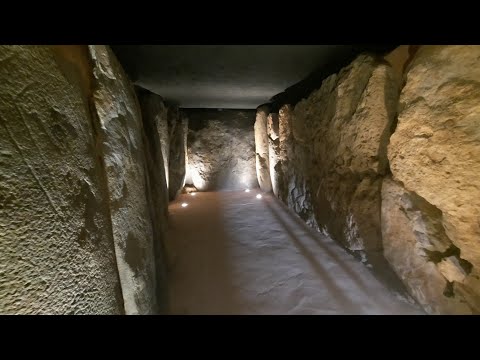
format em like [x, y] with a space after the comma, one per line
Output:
[184, 205]
[193, 194]
[259, 196]
[247, 190]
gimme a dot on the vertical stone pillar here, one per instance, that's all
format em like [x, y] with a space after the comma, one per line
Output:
[274, 151]
[261, 149]
[286, 148]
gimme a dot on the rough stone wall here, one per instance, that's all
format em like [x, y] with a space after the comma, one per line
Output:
[434, 157]
[337, 149]
[83, 184]
[124, 156]
[155, 138]
[178, 131]
[56, 243]
[261, 149]
[171, 125]
[417, 203]
[274, 151]
[296, 161]
[154, 109]
[221, 149]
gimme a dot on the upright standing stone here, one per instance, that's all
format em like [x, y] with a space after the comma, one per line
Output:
[286, 149]
[435, 154]
[124, 156]
[274, 151]
[178, 130]
[261, 149]
[56, 243]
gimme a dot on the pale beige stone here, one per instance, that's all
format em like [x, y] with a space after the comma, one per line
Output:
[261, 149]
[435, 150]
[221, 150]
[123, 150]
[413, 239]
[340, 134]
[274, 151]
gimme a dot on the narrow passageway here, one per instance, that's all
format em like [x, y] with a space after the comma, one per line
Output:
[231, 253]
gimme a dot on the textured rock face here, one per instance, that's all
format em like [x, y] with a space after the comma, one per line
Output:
[261, 149]
[435, 154]
[83, 197]
[417, 247]
[221, 149]
[296, 163]
[154, 109]
[338, 145]
[286, 149]
[172, 128]
[56, 244]
[155, 138]
[123, 150]
[333, 161]
[274, 151]
[178, 131]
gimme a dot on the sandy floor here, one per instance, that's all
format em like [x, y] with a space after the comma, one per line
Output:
[231, 253]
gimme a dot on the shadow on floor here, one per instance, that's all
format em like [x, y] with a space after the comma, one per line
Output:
[277, 208]
[235, 254]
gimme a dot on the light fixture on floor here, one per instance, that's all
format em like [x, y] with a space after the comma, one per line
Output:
[193, 194]
[259, 196]
[184, 205]
[247, 190]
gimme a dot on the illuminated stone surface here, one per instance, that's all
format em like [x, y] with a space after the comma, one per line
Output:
[156, 145]
[273, 151]
[56, 244]
[221, 150]
[123, 151]
[435, 153]
[338, 153]
[261, 149]
[84, 175]
[286, 151]
[412, 235]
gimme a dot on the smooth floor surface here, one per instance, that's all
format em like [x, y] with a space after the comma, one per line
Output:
[231, 253]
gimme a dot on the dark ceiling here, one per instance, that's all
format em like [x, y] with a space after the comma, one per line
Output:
[232, 76]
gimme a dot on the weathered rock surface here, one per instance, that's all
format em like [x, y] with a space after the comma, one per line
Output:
[124, 157]
[296, 163]
[341, 132]
[56, 243]
[154, 109]
[261, 149]
[178, 131]
[172, 128]
[155, 138]
[286, 149]
[435, 154]
[221, 149]
[274, 151]
[417, 247]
